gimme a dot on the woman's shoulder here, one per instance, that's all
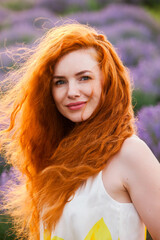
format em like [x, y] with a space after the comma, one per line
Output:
[135, 156]
[134, 151]
[133, 148]
[137, 162]
[132, 141]
[141, 177]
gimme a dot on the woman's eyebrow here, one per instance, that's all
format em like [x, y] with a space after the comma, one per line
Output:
[59, 77]
[77, 74]
[82, 72]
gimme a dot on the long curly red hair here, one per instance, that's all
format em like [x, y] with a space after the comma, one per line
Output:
[54, 155]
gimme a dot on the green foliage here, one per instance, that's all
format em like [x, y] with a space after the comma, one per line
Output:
[93, 5]
[71, 9]
[151, 3]
[6, 228]
[148, 236]
[155, 12]
[140, 99]
[5, 25]
[1, 164]
[16, 5]
[26, 38]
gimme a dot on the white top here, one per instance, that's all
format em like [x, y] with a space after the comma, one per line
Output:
[94, 215]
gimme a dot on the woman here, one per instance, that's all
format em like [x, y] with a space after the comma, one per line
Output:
[86, 175]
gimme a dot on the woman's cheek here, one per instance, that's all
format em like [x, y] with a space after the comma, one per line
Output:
[88, 89]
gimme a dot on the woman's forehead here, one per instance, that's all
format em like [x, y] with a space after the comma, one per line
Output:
[77, 60]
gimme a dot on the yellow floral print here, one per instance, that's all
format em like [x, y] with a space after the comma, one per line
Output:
[99, 232]
[145, 234]
[47, 236]
[57, 238]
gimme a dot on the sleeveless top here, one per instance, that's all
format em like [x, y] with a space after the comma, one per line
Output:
[93, 214]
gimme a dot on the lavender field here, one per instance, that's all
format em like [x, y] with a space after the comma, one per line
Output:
[131, 29]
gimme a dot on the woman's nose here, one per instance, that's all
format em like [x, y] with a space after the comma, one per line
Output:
[73, 90]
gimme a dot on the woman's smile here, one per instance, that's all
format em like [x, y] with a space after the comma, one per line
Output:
[77, 84]
[76, 105]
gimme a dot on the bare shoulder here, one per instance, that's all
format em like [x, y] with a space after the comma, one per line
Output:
[132, 144]
[135, 151]
[141, 178]
[136, 158]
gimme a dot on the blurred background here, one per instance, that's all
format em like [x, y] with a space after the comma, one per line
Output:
[132, 26]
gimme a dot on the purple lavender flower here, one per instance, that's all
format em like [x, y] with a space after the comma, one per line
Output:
[121, 12]
[5, 59]
[2, 75]
[4, 178]
[146, 75]
[116, 13]
[8, 177]
[149, 127]
[10, 58]
[117, 30]
[18, 33]
[36, 17]
[61, 6]
[4, 17]
[126, 30]
[133, 50]
[11, 55]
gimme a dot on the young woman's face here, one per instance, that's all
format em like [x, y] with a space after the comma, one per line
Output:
[77, 84]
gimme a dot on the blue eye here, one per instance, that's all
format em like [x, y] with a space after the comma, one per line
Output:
[84, 78]
[59, 82]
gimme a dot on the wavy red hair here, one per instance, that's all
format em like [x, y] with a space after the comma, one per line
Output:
[54, 155]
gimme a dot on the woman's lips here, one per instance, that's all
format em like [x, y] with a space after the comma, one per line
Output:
[76, 105]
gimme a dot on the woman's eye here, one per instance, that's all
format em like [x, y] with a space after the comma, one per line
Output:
[59, 82]
[85, 78]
